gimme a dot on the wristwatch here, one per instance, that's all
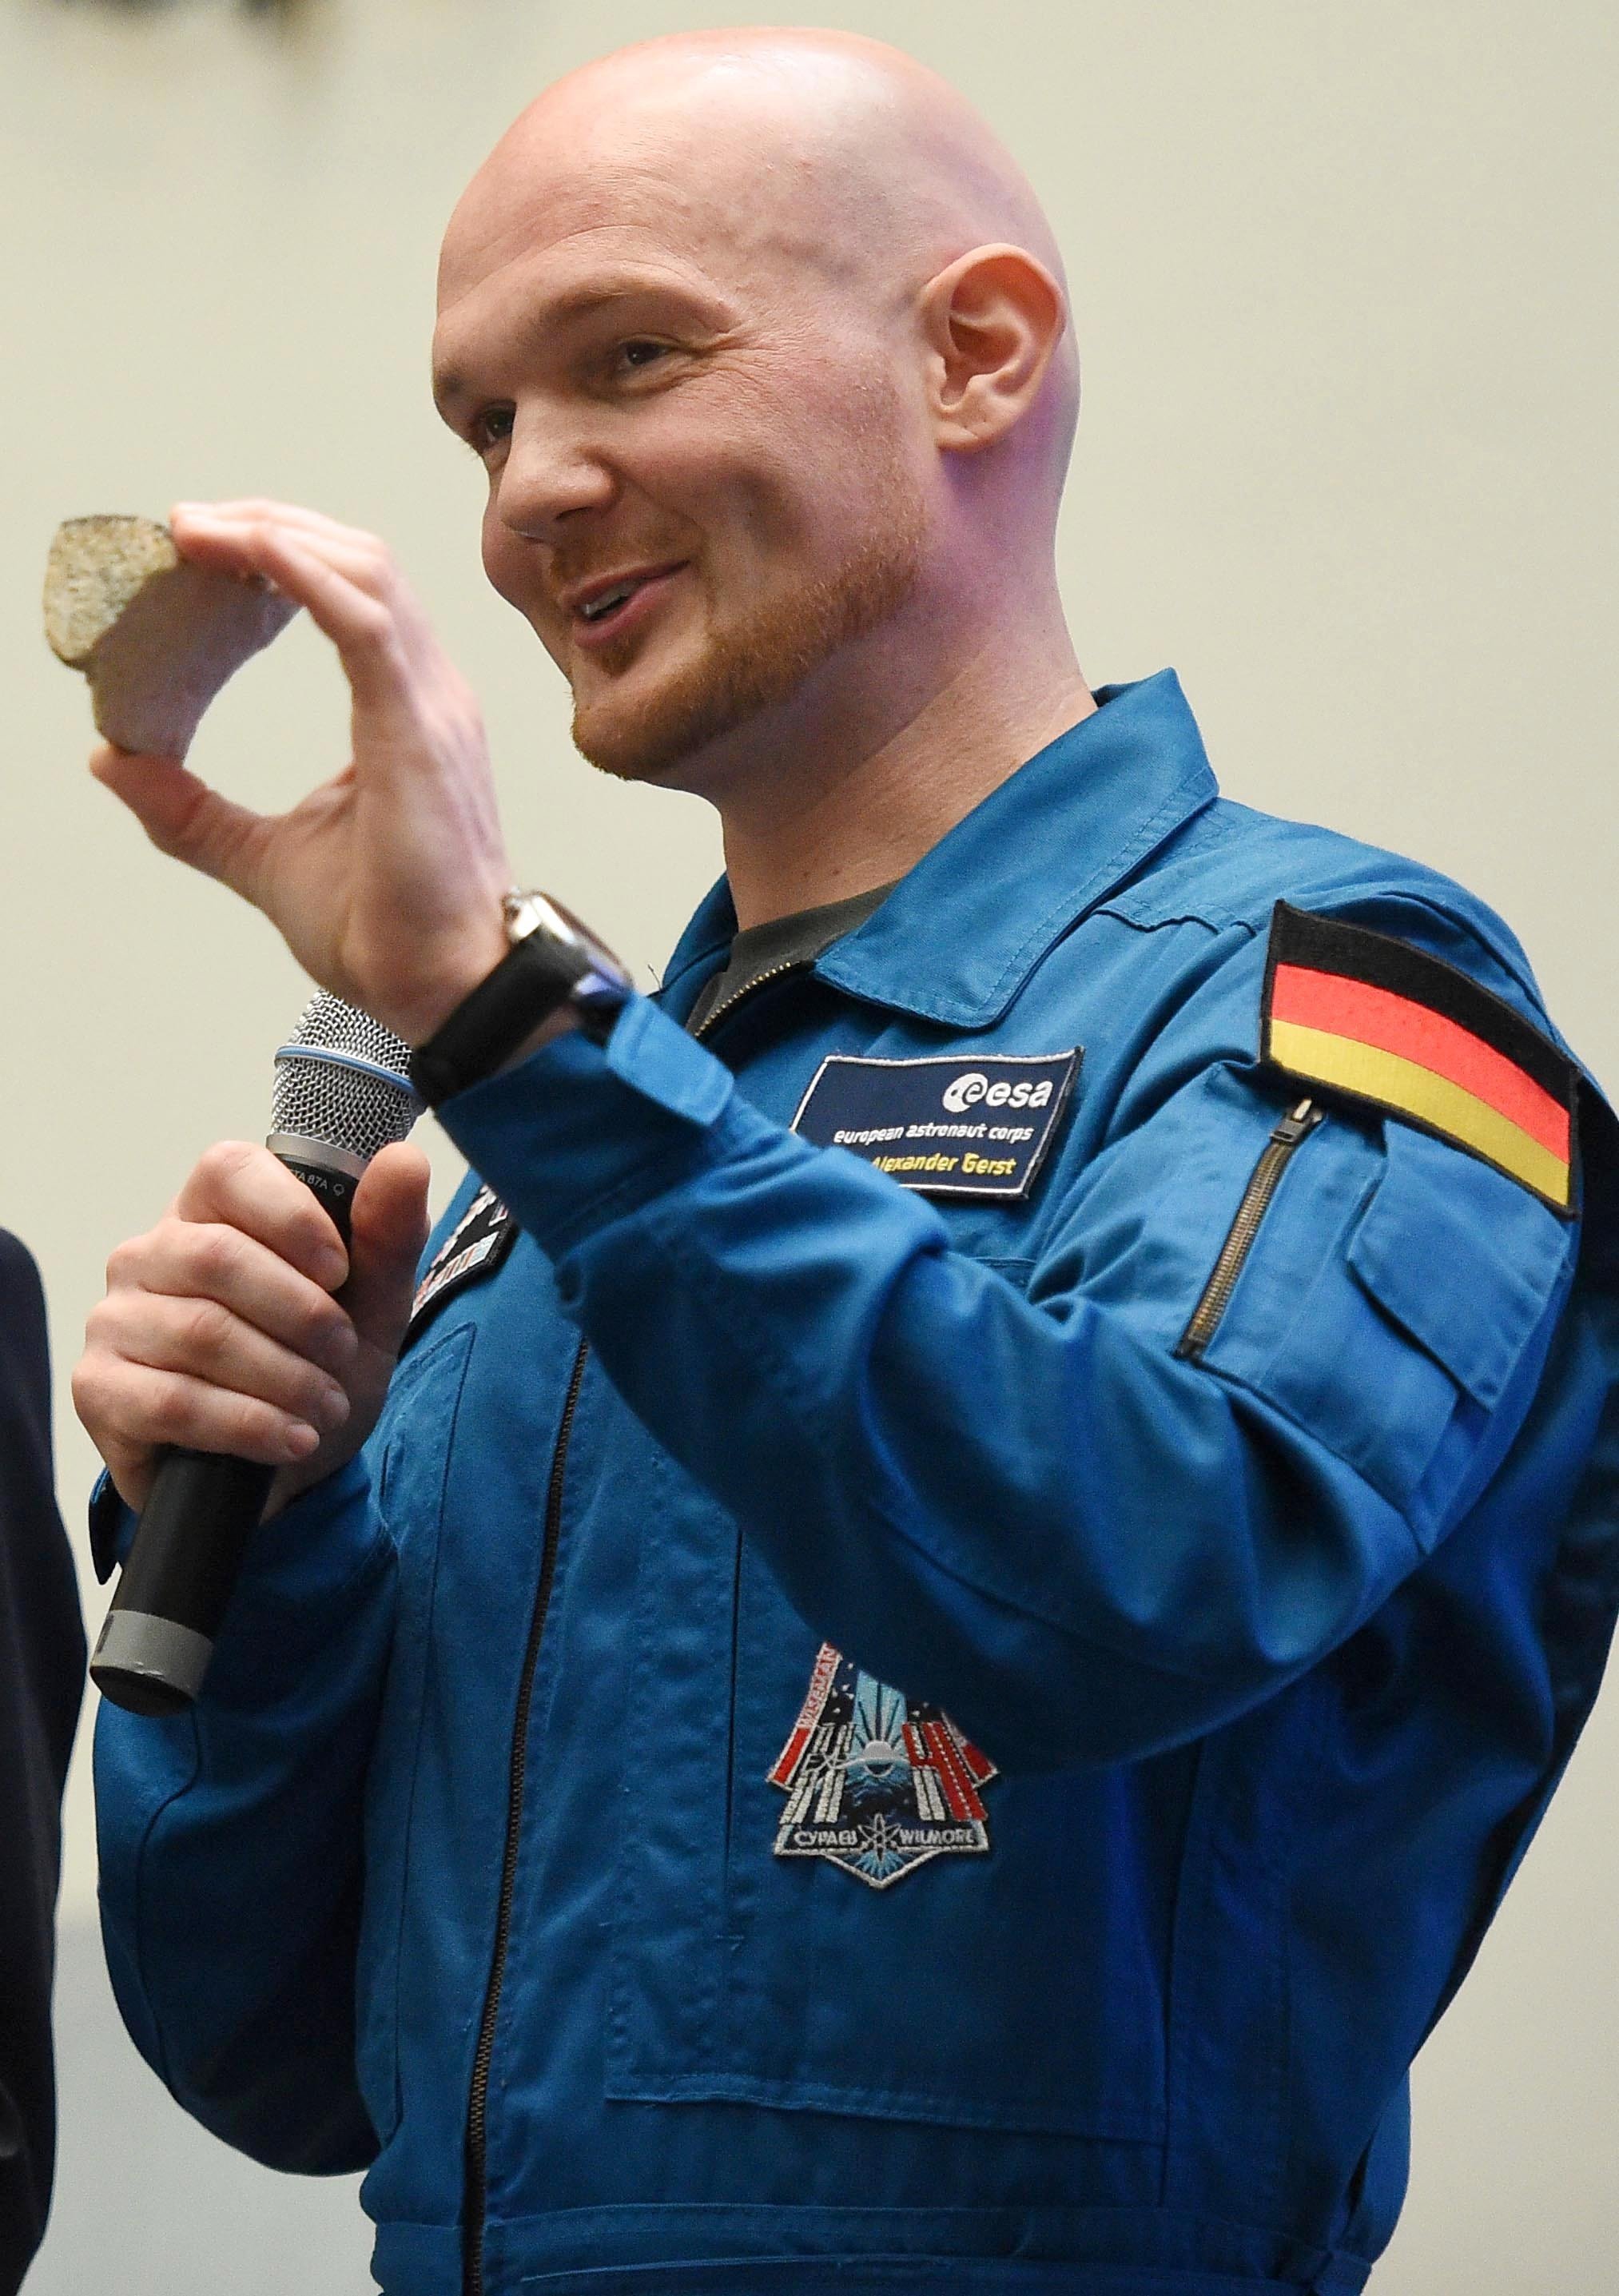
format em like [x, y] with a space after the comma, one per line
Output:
[553, 961]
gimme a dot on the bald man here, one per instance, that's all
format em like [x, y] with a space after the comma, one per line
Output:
[915, 1653]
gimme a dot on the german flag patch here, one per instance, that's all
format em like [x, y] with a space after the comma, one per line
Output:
[1363, 1014]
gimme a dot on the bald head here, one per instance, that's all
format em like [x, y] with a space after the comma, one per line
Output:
[845, 149]
[822, 151]
[837, 235]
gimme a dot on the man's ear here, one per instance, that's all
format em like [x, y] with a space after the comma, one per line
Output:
[991, 321]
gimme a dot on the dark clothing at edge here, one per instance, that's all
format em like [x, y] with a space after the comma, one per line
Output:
[42, 1674]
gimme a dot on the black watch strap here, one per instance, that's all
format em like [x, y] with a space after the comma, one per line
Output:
[538, 975]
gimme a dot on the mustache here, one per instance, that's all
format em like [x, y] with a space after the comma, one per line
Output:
[565, 575]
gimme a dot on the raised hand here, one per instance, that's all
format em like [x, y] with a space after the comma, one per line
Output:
[385, 880]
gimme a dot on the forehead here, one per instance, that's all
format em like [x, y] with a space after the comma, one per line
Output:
[528, 292]
[656, 194]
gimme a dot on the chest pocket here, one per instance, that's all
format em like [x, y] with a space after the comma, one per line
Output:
[415, 1438]
[1423, 1310]
[1002, 1976]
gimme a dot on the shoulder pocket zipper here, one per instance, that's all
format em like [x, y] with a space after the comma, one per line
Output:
[1283, 1143]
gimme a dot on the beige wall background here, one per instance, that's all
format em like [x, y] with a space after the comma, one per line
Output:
[1343, 279]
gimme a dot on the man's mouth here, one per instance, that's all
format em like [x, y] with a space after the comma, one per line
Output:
[606, 607]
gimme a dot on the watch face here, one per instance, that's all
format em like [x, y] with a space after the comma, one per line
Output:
[534, 913]
[601, 957]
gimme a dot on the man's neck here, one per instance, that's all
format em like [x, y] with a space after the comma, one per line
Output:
[854, 801]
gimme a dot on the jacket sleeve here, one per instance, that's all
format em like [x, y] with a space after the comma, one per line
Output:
[1022, 1501]
[42, 1672]
[231, 1841]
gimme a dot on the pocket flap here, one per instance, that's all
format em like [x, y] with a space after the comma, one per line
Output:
[1462, 1258]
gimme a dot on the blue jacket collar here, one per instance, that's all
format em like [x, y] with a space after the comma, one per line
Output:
[959, 936]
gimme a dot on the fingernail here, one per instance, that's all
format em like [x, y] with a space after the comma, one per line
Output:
[332, 1407]
[300, 1440]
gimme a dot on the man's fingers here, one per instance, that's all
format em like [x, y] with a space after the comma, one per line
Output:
[389, 1228]
[241, 1186]
[218, 1331]
[203, 1339]
[131, 1409]
[184, 1260]
[188, 517]
[208, 1267]
[289, 547]
[343, 600]
[257, 545]
[300, 551]
[185, 818]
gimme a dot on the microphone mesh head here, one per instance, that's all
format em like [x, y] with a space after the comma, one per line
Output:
[344, 1079]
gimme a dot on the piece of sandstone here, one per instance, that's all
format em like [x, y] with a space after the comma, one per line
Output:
[155, 636]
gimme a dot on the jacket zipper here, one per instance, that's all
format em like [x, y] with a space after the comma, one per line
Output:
[478, 2101]
[1279, 1151]
[759, 980]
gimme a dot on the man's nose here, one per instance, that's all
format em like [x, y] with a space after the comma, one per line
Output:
[549, 474]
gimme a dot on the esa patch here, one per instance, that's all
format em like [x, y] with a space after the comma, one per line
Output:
[1368, 1015]
[961, 1127]
[474, 1248]
[876, 1783]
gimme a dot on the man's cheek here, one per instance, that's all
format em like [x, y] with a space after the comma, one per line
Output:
[763, 509]
[497, 570]
[515, 575]
[509, 564]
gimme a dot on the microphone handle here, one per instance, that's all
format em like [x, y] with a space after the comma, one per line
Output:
[153, 1650]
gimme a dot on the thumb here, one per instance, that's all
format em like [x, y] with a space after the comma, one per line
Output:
[388, 1226]
[183, 817]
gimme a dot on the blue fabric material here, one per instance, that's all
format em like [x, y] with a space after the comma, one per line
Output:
[1277, 1653]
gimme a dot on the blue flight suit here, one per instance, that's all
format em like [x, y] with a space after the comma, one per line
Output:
[965, 1736]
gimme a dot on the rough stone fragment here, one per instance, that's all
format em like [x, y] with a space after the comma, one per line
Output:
[155, 636]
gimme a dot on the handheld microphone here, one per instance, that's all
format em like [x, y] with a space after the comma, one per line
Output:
[342, 1092]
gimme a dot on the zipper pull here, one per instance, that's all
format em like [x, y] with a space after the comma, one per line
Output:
[1299, 1122]
[1291, 1129]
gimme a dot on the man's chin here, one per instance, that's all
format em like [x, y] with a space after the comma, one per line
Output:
[646, 726]
[639, 736]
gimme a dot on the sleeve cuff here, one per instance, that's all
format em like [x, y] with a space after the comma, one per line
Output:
[303, 1559]
[111, 1527]
[579, 1132]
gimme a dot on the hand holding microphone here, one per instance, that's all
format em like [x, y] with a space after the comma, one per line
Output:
[220, 1334]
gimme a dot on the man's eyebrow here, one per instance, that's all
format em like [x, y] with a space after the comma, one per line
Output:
[570, 304]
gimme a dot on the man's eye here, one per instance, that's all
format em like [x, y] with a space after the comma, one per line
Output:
[490, 426]
[640, 351]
